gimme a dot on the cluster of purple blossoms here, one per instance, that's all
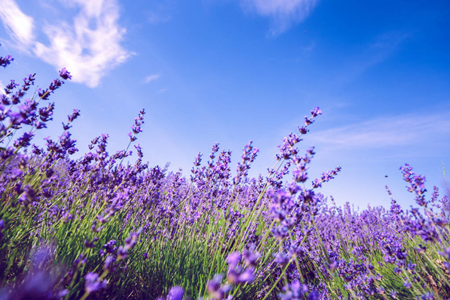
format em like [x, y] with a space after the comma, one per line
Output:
[136, 127]
[236, 274]
[298, 291]
[248, 156]
[326, 177]
[416, 184]
[175, 293]
[282, 205]
[28, 112]
[94, 283]
[288, 148]
[5, 61]
[215, 288]
[54, 85]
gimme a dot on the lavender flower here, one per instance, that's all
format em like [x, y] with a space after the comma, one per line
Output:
[175, 293]
[297, 291]
[94, 283]
[110, 263]
[250, 257]
[136, 127]
[4, 61]
[236, 274]
[215, 289]
[65, 74]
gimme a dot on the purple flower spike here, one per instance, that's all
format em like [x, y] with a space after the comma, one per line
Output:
[64, 74]
[4, 61]
[55, 84]
[247, 276]
[393, 294]
[303, 129]
[299, 174]
[10, 87]
[214, 284]
[297, 291]
[109, 263]
[236, 274]
[139, 151]
[251, 258]
[109, 246]
[74, 115]
[93, 283]
[233, 259]
[175, 293]
[122, 253]
[198, 160]
[416, 184]
[135, 128]
[407, 285]
[132, 239]
[213, 287]
[315, 112]
[314, 295]
[24, 140]
[427, 296]
[282, 259]
[132, 137]
[43, 94]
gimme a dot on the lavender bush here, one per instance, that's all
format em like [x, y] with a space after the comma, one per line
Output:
[97, 228]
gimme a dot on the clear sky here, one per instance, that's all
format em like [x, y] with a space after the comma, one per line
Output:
[230, 71]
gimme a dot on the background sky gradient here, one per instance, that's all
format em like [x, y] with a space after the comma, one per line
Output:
[230, 71]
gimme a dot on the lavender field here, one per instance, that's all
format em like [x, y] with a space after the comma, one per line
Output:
[98, 227]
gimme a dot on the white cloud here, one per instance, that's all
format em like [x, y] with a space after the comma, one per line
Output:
[151, 78]
[283, 13]
[88, 47]
[88, 53]
[406, 130]
[18, 25]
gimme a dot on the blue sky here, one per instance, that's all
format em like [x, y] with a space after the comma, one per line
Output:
[230, 71]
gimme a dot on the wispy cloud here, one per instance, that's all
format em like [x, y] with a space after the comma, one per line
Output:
[380, 49]
[87, 51]
[158, 18]
[387, 132]
[151, 78]
[308, 49]
[305, 51]
[18, 25]
[160, 12]
[88, 47]
[283, 13]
